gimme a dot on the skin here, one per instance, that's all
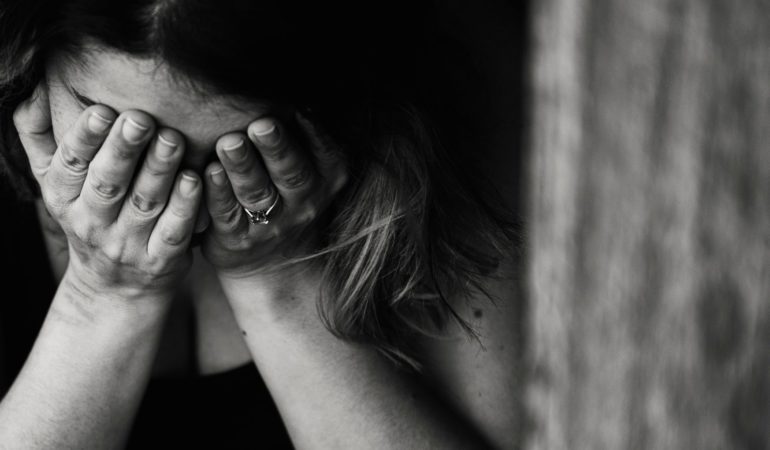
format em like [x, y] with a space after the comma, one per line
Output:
[128, 216]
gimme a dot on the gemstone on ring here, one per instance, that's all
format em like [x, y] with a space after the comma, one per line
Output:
[261, 216]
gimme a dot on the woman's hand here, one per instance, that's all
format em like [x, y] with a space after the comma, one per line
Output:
[128, 235]
[262, 169]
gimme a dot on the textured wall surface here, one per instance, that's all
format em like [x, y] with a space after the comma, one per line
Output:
[650, 224]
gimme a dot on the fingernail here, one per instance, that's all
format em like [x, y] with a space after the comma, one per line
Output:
[187, 186]
[98, 123]
[132, 131]
[166, 147]
[218, 177]
[265, 132]
[235, 151]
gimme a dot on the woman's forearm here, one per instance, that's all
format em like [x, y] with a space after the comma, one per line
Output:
[331, 393]
[83, 381]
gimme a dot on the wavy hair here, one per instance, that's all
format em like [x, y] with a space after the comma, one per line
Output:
[409, 231]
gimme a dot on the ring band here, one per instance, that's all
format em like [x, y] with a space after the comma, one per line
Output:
[261, 216]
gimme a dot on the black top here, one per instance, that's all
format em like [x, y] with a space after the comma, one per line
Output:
[229, 410]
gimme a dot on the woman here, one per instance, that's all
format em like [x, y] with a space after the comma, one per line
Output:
[266, 167]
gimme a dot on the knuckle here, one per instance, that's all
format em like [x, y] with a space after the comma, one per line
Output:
[145, 205]
[71, 160]
[311, 212]
[81, 230]
[104, 189]
[53, 201]
[257, 195]
[156, 262]
[297, 178]
[113, 250]
[307, 215]
[172, 236]
[276, 234]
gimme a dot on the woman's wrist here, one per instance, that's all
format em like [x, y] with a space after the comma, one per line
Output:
[81, 300]
[283, 296]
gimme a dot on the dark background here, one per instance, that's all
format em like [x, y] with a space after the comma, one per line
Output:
[489, 93]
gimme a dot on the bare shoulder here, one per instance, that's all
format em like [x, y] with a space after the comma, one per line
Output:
[482, 377]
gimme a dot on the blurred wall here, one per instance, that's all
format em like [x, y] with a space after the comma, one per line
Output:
[650, 223]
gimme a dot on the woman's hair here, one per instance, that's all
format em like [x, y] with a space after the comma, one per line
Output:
[413, 226]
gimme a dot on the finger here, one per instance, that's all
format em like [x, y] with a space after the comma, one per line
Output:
[329, 157]
[250, 182]
[77, 148]
[153, 183]
[112, 169]
[173, 230]
[227, 215]
[32, 119]
[289, 167]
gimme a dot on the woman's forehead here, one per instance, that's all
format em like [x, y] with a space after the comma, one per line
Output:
[125, 82]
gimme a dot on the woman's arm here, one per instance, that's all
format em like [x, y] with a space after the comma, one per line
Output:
[83, 380]
[331, 393]
[128, 228]
[334, 394]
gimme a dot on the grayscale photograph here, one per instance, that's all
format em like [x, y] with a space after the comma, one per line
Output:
[353, 225]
